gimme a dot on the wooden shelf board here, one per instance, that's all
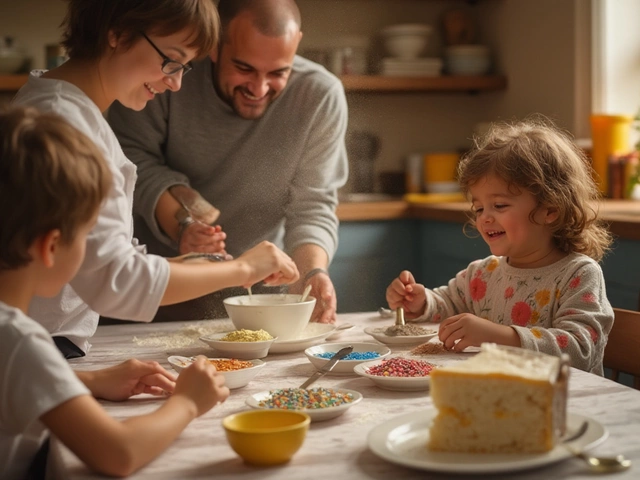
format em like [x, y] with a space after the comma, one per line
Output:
[12, 83]
[444, 83]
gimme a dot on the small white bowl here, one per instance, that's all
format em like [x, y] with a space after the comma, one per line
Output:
[344, 367]
[406, 41]
[402, 384]
[316, 414]
[233, 378]
[241, 350]
[378, 334]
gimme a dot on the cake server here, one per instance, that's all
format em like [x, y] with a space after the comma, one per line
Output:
[340, 354]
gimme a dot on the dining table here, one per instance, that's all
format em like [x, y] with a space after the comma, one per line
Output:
[334, 448]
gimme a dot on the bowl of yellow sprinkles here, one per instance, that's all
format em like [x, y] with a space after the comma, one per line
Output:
[243, 344]
[237, 373]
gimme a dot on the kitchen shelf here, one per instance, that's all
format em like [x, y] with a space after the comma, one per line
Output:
[12, 83]
[444, 83]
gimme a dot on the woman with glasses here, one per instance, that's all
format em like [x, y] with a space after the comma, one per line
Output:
[131, 51]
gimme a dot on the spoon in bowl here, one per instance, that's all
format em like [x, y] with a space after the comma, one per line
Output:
[305, 294]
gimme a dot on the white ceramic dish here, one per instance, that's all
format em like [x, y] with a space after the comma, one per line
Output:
[402, 440]
[339, 330]
[378, 334]
[313, 334]
[344, 367]
[233, 378]
[316, 414]
[402, 384]
[282, 315]
[242, 350]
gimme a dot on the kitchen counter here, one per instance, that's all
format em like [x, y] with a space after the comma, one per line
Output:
[623, 215]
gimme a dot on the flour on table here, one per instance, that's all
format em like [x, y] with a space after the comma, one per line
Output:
[186, 336]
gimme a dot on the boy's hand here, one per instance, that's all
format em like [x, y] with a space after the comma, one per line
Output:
[202, 384]
[406, 293]
[466, 330]
[130, 378]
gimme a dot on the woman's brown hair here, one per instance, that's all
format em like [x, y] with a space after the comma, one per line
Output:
[88, 22]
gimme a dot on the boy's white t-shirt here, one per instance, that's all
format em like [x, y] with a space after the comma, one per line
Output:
[34, 378]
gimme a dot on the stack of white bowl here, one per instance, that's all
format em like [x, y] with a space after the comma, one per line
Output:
[406, 43]
[467, 59]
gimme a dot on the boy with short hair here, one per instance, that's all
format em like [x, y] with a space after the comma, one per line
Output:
[53, 180]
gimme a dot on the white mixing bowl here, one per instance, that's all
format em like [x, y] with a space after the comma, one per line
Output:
[282, 315]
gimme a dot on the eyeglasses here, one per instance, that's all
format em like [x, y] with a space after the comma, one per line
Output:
[169, 66]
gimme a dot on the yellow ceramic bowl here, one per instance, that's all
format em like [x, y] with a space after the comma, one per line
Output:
[266, 437]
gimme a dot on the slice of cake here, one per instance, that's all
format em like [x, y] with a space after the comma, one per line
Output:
[503, 400]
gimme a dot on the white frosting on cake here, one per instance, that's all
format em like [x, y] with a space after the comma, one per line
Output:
[494, 359]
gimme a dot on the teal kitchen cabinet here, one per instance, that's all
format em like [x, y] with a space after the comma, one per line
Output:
[445, 249]
[370, 255]
[621, 268]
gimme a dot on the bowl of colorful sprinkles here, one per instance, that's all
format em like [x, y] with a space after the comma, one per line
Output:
[398, 373]
[318, 402]
[407, 334]
[319, 355]
[245, 344]
[237, 373]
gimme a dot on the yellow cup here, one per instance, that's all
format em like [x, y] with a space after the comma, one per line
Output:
[610, 135]
[439, 172]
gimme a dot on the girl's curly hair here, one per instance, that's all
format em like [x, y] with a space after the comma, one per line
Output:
[536, 156]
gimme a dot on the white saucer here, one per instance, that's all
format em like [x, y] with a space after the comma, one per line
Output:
[378, 334]
[402, 440]
[313, 334]
[316, 414]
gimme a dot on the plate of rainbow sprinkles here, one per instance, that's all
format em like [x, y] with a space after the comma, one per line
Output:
[318, 402]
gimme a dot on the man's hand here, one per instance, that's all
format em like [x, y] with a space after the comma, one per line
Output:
[202, 238]
[325, 295]
[130, 378]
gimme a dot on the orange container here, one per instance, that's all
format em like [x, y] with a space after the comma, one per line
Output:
[440, 171]
[610, 135]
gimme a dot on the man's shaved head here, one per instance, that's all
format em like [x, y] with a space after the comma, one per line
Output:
[272, 18]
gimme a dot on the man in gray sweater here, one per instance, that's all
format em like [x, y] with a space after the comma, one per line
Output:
[253, 143]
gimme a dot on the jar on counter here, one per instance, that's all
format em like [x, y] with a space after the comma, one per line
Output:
[55, 55]
[413, 173]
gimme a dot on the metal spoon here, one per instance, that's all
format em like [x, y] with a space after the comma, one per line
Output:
[598, 464]
[604, 464]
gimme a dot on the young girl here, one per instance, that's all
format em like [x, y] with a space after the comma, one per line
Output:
[532, 198]
[130, 51]
[42, 244]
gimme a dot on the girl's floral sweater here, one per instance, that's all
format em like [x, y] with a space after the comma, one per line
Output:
[560, 308]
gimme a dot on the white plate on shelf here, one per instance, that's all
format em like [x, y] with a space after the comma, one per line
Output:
[316, 414]
[378, 334]
[402, 440]
[313, 334]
